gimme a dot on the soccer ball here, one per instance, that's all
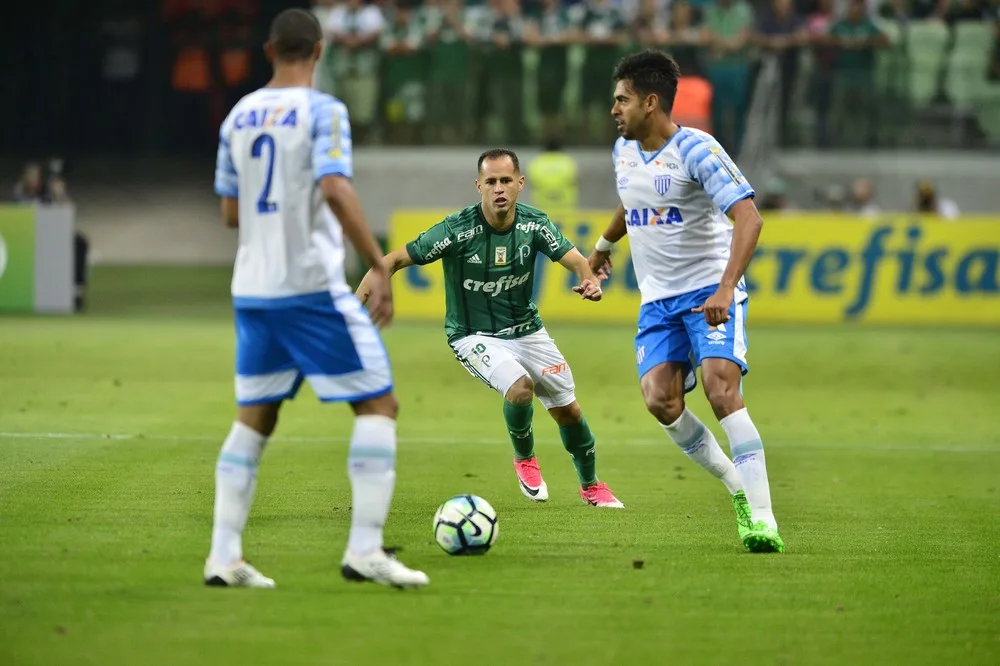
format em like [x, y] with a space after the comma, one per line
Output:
[465, 525]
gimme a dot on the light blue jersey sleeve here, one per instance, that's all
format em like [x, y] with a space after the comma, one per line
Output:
[709, 165]
[226, 180]
[331, 135]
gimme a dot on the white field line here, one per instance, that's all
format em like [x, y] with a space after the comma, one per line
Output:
[85, 436]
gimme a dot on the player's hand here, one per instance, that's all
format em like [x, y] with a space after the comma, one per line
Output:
[589, 290]
[600, 264]
[716, 308]
[376, 293]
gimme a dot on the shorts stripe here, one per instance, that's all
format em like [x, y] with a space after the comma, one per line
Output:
[472, 370]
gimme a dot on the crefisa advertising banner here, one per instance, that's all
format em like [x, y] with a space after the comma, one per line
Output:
[808, 268]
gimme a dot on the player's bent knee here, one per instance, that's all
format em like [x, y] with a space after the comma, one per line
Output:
[521, 393]
[384, 405]
[663, 404]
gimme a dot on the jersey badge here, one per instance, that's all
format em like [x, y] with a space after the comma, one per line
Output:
[662, 184]
[500, 258]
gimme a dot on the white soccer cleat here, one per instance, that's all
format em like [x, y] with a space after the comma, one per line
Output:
[381, 567]
[242, 574]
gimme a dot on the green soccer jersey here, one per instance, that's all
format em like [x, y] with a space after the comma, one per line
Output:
[489, 275]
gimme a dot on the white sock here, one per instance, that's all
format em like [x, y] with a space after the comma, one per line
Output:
[699, 444]
[748, 457]
[235, 483]
[371, 466]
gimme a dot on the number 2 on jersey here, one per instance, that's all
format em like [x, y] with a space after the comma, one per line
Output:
[257, 150]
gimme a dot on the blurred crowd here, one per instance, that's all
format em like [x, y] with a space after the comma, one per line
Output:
[444, 71]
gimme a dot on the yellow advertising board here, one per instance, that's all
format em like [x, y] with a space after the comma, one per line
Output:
[892, 269]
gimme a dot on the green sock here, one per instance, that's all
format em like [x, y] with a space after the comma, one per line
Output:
[579, 442]
[518, 419]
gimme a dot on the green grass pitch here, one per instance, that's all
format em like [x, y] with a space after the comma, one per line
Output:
[882, 448]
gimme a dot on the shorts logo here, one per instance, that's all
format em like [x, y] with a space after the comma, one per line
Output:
[662, 184]
[717, 334]
[554, 369]
[500, 258]
[640, 354]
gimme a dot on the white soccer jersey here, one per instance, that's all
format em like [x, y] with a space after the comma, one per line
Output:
[676, 202]
[274, 147]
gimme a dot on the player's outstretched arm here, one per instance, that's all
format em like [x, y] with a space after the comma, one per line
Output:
[600, 258]
[345, 204]
[396, 261]
[589, 287]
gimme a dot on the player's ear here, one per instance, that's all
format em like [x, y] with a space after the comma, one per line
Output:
[478, 186]
[317, 51]
[269, 51]
[520, 183]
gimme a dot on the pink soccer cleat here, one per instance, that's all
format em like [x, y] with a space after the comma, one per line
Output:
[529, 478]
[600, 495]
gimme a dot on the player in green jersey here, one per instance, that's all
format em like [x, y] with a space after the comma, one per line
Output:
[488, 251]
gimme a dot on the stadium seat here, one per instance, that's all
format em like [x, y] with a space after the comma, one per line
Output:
[925, 43]
[968, 63]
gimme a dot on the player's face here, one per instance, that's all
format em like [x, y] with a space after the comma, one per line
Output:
[630, 111]
[499, 183]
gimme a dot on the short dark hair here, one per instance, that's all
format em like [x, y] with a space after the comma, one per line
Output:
[651, 72]
[294, 34]
[497, 153]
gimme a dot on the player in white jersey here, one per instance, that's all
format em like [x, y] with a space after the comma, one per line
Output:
[679, 190]
[284, 170]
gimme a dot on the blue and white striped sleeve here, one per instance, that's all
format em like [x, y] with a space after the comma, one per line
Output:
[226, 180]
[331, 137]
[708, 164]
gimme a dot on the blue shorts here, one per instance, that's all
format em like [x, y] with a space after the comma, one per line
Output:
[331, 342]
[670, 333]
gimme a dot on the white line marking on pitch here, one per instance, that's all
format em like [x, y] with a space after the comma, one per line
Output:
[80, 436]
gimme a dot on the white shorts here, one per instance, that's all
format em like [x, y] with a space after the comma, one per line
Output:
[500, 363]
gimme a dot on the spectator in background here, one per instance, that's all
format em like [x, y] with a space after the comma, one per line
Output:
[728, 27]
[685, 39]
[863, 198]
[550, 34]
[776, 197]
[929, 202]
[649, 25]
[323, 76]
[404, 64]
[781, 32]
[824, 55]
[448, 37]
[354, 28]
[856, 37]
[503, 76]
[993, 70]
[601, 27]
[31, 186]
